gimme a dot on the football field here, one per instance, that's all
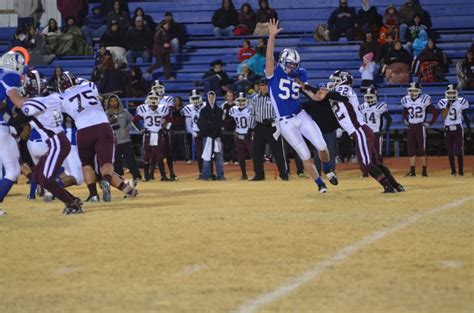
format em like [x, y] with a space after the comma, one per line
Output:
[236, 246]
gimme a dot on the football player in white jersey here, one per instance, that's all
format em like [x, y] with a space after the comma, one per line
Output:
[454, 110]
[363, 136]
[191, 113]
[244, 118]
[45, 114]
[155, 141]
[285, 79]
[95, 138]
[374, 112]
[416, 107]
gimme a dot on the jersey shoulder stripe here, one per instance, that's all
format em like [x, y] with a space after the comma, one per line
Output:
[442, 103]
[463, 101]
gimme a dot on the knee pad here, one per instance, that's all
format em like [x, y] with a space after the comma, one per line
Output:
[303, 151]
[12, 171]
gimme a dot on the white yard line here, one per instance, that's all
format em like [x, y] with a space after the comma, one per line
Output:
[266, 298]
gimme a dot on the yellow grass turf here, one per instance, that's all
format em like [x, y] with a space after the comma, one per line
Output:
[194, 246]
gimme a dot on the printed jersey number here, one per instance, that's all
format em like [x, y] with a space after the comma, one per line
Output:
[242, 122]
[88, 96]
[288, 89]
[343, 90]
[416, 112]
[453, 114]
[58, 118]
[153, 121]
[370, 118]
[337, 109]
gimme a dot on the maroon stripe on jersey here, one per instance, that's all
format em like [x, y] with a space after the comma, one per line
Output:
[352, 114]
[34, 105]
[49, 132]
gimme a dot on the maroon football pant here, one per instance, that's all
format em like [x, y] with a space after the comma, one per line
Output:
[47, 170]
[243, 146]
[96, 141]
[416, 140]
[454, 138]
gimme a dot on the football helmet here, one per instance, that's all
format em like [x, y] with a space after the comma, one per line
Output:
[289, 60]
[341, 78]
[67, 80]
[158, 88]
[451, 93]
[414, 90]
[242, 99]
[371, 95]
[195, 98]
[13, 61]
[153, 100]
[35, 84]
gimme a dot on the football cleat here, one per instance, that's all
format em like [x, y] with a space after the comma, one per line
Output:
[93, 199]
[400, 188]
[389, 189]
[165, 178]
[2, 213]
[106, 194]
[461, 173]
[130, 191]
[255, 178]
[332, 178]
[48, 196]
[173, 177]
[424, 174]
[323, 188]
[410, 174]
[74, 208]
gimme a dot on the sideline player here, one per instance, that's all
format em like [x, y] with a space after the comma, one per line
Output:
[454, 110]
[285, 81]
[191, 113]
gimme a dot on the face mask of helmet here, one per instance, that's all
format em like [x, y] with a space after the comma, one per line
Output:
[414, 92]
[370, 98]
[13, 61]
[153, 102]
[289, 60]
[242, 100]
[451, 93]
[159, 90]
[195, 100]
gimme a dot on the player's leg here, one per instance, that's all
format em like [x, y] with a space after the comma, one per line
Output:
[459, 145]
[422, 148]
[86, 150]
[73, 168]
[311, 131]
[167, 154]
[449, 140]
[258, 150]
[292, 134]
[411, 147]
[10, 162]
[155, 160]
[147, 156]
[240, 145]
[198, 145]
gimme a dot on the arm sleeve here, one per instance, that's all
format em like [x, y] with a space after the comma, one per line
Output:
[388, 118]
[335, 96]
[33, 107]
[405, 113]
[431, 109]
[466, 119]
[11, 81]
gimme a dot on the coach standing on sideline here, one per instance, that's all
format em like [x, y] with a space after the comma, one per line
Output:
[263, 134]
[322, 114]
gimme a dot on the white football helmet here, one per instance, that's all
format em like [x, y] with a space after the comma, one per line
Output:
[451, 93]
[289, 60]
[341, 78]
[242, 99]
[13, 62]
[371, 95]
[158, 88]
[414, 90]
[152, 100]
[195, 98]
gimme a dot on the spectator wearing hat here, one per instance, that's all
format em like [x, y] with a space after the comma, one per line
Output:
[138, 42]
[175, 32]
[147, 19]
[94, 26]
[119, 15]
[225, 19]
[214, 79]
[162, 50]
[342, 20]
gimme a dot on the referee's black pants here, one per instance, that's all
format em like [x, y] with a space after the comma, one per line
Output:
[263, 134]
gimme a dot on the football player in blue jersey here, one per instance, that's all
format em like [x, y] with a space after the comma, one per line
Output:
[285, 81]
[12, 65]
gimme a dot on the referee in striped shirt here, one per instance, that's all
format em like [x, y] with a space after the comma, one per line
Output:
[263, 134]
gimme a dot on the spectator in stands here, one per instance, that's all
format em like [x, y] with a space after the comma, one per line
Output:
[98, 60]
[113, 41]
[175, 32]
[51, 29]
[36, 46]
[138, 42]
[407, 13]
[420, 43]
[385, 46]
[161, 51]
[147, 19]
[465, 71]
[367, 70]
[368, 18]
[414, 30]
[391, 19]
[247, 21]
[77, 9]
[228, 129]
[18, 39]
[256, 63]
[397, 63]
[321, 33]
[432, 64]
[246, 52]
[94, 25]
[214, 79]
[225, 19]
[106, 6]
[342, 20]
[29, 12]
[264, 14]
[112, 79]
[119, 15]
[136, 83]
[245, 80]
[53, 82]
[121, 121]
[369, 45]
[70, 42]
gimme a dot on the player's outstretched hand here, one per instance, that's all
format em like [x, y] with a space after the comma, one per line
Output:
[273, 29]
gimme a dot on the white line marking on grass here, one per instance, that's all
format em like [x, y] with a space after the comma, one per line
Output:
[326, 264]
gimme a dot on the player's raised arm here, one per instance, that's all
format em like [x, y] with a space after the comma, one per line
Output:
[273, 30]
